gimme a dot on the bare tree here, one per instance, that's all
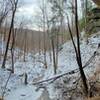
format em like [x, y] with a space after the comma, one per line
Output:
[25, 45]
[4, 10]
[77, 49]
[42, 25]
[56, 23]
[53, 50]
[79, 60]
[12, 48]
[21, 36]
[14, 7]
[44, 31]
[39, 42]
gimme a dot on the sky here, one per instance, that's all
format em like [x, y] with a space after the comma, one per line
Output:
[28, 9]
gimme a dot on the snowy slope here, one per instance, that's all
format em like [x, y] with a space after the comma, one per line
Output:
[16, 90]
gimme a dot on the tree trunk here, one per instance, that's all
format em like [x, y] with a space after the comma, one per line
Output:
[79, 53]
[54, 58]
[8, 41]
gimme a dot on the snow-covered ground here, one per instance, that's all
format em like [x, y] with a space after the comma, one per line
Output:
[17, 90]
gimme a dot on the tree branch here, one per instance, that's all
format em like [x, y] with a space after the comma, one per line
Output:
[67, 73]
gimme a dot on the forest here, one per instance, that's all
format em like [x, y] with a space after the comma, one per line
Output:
[49, 49]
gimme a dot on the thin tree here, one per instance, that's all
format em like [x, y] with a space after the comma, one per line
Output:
[4, 10]
[79, 53]
[14, 7]
[39, 42]
[25, 45]
[57, 24]
[77, 49]
[44, 32]
[12, 48]
[53, 50]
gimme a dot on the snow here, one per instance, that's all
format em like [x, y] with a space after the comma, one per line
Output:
[24, 93]
[16, 90]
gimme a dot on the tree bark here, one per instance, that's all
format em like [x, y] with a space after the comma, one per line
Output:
[79, 53]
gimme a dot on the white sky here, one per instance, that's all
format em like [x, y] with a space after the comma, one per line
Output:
[28, 10]
[28, 7]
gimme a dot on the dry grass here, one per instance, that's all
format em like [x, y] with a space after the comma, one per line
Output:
[93, 98]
